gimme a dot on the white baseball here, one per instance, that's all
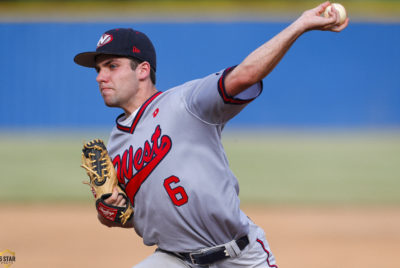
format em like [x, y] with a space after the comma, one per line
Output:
[339, 8]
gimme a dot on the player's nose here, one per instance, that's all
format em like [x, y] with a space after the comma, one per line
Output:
[101, 76]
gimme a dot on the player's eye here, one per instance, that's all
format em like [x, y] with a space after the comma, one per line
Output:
[113, 66]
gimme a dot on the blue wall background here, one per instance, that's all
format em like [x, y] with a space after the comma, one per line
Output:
[351, 79]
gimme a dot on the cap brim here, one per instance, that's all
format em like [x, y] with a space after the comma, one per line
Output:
[88, 59]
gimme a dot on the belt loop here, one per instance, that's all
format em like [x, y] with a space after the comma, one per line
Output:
[232, 249]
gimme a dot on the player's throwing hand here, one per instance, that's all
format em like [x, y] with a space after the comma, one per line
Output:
[313, 20]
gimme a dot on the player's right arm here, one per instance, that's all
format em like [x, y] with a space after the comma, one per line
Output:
[263, 60]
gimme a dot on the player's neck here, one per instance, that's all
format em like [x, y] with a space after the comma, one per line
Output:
[140, 97]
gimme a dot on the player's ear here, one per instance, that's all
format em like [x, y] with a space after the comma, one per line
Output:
[143, 70]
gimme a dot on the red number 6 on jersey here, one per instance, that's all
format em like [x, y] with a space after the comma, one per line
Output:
[177, 194]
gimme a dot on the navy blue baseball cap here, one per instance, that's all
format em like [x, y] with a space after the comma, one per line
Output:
[123, 42]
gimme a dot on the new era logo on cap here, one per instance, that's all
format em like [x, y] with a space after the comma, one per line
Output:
[104, 39]
[135, 50]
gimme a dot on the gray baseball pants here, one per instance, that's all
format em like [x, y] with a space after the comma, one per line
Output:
[256, 254]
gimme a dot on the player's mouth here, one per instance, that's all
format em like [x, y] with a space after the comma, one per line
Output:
[105, 90]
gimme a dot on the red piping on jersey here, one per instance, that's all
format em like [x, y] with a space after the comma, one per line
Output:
[222, 91]
[268, 253]
[139, 114]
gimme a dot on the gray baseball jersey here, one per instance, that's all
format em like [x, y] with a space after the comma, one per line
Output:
[171, 160]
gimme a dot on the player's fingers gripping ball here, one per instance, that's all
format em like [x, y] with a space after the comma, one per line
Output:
[340, 9]
[103, 179]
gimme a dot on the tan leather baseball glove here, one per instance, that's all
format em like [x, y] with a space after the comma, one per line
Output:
[103, 179]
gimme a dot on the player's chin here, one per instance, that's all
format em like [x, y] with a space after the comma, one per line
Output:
[110, 102]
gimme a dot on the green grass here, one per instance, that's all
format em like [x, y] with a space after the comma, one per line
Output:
[180, 10]
[272, 168]
[42, 168]
[317, 168]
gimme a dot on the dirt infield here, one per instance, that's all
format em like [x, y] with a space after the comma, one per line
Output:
[70, 236]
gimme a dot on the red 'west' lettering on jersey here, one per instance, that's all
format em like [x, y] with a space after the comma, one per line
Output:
[144, 160]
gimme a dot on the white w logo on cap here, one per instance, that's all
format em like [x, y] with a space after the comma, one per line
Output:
[104, 39]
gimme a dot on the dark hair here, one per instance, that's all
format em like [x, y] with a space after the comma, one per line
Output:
[134, 65]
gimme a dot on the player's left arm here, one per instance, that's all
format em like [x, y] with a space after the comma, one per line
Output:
[115, 200]
[263, 60]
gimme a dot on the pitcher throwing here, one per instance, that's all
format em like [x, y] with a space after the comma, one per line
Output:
[167, 152]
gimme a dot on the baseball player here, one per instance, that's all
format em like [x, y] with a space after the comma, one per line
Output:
[166, 148]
